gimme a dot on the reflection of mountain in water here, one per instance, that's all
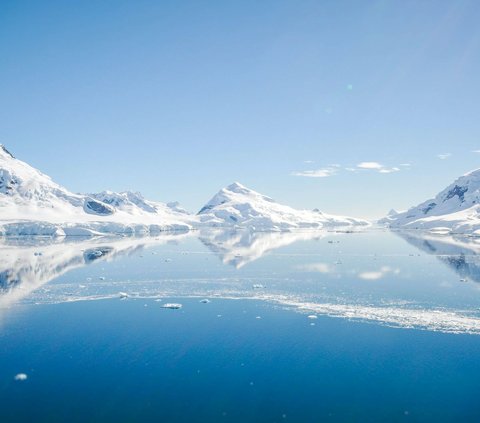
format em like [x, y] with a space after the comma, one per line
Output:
[461, 254]
[237, 248]
[26, 266]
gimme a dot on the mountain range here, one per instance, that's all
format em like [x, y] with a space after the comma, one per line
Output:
[32, 204]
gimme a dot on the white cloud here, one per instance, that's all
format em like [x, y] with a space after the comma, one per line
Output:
[333, 169]
[319, 173]
[475, 151]
[308, 161]
[443, 156]
[370, 165]
[377, 167]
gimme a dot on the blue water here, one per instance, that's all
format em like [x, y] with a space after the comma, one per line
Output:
[250, 354]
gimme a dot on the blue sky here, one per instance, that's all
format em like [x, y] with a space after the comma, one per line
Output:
[341, 105]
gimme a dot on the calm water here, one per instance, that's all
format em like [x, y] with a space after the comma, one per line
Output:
[302, 327]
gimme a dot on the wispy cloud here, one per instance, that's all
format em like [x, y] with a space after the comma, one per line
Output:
[370, 165]
[378, 167]
[334, 169]
[444, 156]
[475, 151]
[318, 173]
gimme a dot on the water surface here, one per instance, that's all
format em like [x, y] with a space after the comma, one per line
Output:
[312, 326]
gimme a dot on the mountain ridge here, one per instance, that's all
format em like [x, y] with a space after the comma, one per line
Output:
[31, 203]
[454, 209]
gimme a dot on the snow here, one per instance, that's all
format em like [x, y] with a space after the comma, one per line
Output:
[456, 209]
[172, 306]
[32, 204]
[239, 206]
[21, 377]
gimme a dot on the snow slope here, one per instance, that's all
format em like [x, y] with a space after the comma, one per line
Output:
[239, 206]
[31, 203]
[456, 209]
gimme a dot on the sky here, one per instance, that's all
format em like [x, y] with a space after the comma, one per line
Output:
[352, 107]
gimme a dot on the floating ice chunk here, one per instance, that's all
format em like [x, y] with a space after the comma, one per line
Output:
[173, 306]
[123, 295]
[312, 316]
[258, 286]
[21, 376]
[102, 278]
[205, 301]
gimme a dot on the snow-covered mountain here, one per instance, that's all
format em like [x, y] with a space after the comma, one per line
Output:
[31, 203]
[456, 209]
[239, 206]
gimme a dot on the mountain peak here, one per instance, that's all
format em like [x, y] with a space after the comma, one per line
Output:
[5, 151]
[236, 187]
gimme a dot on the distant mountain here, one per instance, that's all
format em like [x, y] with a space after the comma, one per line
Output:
[456, 209]
[239, 206]
[31, 203]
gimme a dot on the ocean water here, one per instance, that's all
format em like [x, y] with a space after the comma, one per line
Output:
[300, 327]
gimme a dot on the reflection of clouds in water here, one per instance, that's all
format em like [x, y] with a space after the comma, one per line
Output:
[378, 274]
[316, 267]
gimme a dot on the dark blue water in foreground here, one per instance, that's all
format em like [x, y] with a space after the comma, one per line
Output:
[252, 354]
[120, 361]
